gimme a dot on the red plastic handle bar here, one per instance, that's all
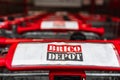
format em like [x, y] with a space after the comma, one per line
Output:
[33, 27]
[2, 61]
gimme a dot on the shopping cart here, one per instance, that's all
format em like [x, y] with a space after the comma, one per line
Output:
[38, 59]
[56, 25]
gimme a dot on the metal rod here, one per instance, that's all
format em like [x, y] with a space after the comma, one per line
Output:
[22, 74]
[47, 74]
[103, 74]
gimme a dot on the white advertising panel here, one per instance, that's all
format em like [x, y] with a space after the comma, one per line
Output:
[60, 53]
[72, 25]
[99, 2]
[86, 2]
[58, 3]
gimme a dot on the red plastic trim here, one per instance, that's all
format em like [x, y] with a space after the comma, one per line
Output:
[10, 55]
[67, 73]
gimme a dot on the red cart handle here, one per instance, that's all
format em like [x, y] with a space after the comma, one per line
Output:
[2, 61]
[88, 28]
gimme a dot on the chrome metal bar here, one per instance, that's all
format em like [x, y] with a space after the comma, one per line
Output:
[22, 74]
[47, 74]
[103, 74]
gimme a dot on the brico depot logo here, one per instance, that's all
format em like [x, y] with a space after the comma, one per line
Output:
[64, 52]
[59, 24]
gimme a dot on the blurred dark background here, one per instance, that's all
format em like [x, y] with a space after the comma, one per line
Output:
[107, 7]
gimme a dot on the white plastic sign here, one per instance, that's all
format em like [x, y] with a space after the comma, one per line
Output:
[86, 2]
[60, 53]
[99, 2]
[60, 25]
[58, 3]
[2, 23]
